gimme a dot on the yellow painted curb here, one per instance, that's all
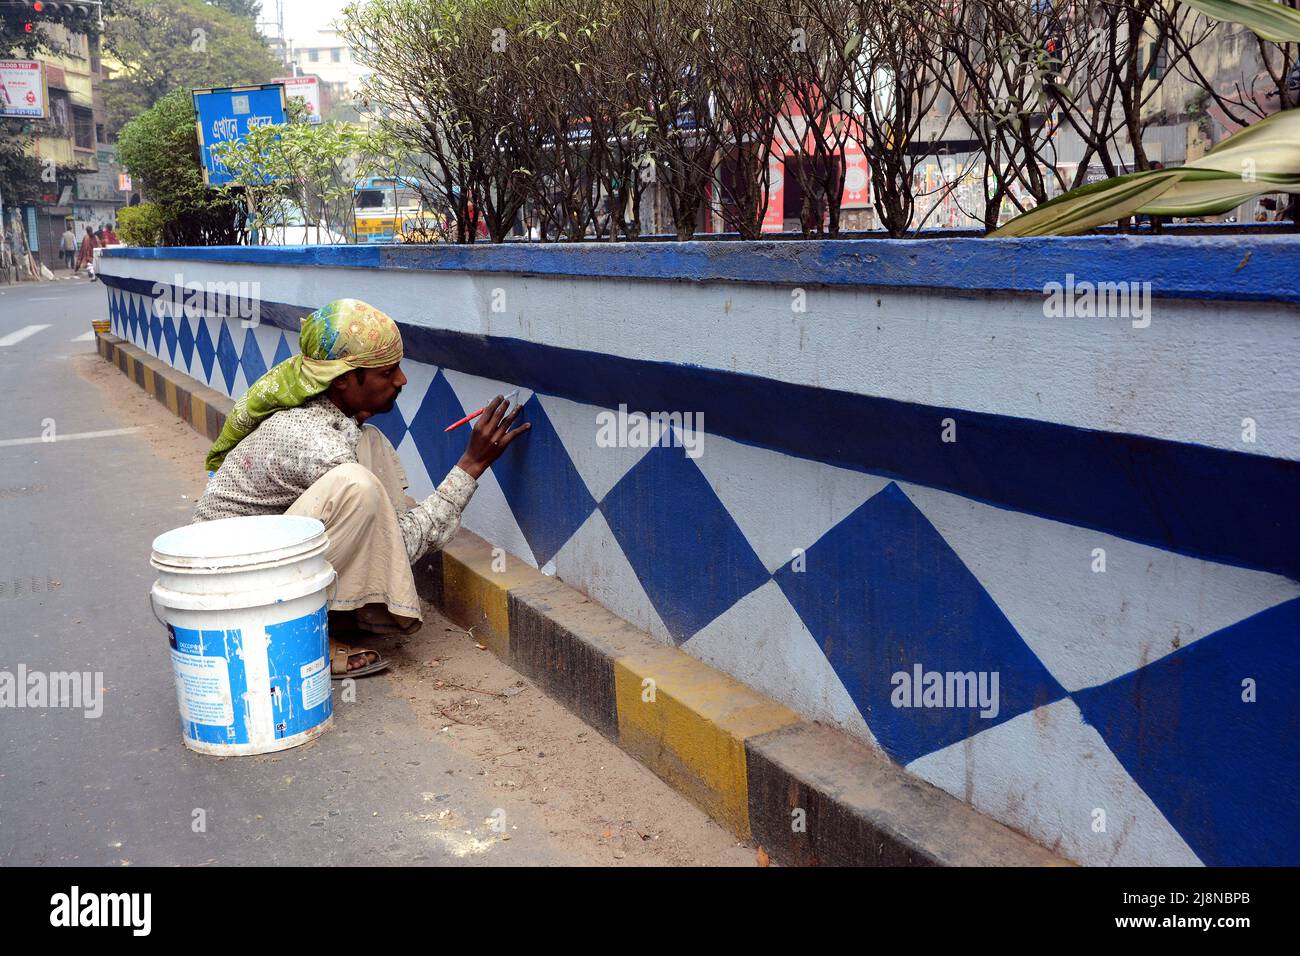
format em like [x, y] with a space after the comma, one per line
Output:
[476, 596]
[199, 415]
[688, 722]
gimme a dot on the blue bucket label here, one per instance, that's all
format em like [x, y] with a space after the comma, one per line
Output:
[299, 661]
[212, 687]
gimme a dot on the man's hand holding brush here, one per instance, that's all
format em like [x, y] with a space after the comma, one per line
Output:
[492, 433]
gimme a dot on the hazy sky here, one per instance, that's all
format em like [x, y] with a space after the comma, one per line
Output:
[304, 16]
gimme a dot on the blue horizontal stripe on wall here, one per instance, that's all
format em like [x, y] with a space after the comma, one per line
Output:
[1222, 505]
[1239, 268]
[279, 314]
[1206, 502]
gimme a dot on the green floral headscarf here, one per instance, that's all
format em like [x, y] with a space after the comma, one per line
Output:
[343, 335]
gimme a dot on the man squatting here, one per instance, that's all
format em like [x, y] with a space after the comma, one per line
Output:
[295, 443]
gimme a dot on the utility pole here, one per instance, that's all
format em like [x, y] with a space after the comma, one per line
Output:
[272, 27]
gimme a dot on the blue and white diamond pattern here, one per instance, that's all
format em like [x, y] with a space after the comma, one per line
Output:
[816, 584]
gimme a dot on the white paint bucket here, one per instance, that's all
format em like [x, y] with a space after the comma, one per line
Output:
[244, 601]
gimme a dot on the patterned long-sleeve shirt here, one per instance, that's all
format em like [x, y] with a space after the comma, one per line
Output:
[289, 451]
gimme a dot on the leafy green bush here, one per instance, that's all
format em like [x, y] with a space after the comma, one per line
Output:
[161, 151]
[140, 225]
[303, 172]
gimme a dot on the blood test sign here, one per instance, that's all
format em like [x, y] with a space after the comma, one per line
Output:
[22, 89]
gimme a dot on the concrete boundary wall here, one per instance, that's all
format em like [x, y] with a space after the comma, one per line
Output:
[908, 472]
[808, 795]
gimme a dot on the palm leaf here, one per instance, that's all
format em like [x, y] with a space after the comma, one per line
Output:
[1265, 18]
[1081, 209]
[1262, 158]
[1210, 192]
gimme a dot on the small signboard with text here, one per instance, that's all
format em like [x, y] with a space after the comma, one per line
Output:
[226, 115]
[305, 88]
[22, 89]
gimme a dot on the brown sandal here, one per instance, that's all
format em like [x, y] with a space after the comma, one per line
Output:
[339, 655]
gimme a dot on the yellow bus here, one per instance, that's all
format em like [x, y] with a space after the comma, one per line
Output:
[383, 205]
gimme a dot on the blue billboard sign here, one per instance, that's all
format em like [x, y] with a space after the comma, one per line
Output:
[226, 115]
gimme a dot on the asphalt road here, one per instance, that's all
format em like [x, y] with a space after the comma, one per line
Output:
[77, 516]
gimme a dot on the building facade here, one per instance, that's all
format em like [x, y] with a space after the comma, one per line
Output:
[81, 183]
[326, 55]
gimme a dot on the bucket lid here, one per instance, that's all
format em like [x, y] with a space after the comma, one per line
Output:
[238, 542]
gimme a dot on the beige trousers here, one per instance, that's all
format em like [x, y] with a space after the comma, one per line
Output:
[359, 504]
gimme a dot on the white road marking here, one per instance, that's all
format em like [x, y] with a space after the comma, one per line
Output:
[84, 337]
[13, 338]
[39, 440]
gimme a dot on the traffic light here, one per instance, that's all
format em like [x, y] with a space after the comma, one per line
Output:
[75, 8]
[49, 9]
[76, 14]
[23, 18]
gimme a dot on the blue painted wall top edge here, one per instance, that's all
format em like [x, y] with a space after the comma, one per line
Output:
[1238, 268]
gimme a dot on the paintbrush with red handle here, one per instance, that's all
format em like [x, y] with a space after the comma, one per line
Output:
[473, 415]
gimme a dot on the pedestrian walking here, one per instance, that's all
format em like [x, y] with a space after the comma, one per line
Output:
[87, 254]
[68, 246]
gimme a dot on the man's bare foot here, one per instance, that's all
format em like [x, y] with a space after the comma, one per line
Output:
[360, 661]
[343, 626]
